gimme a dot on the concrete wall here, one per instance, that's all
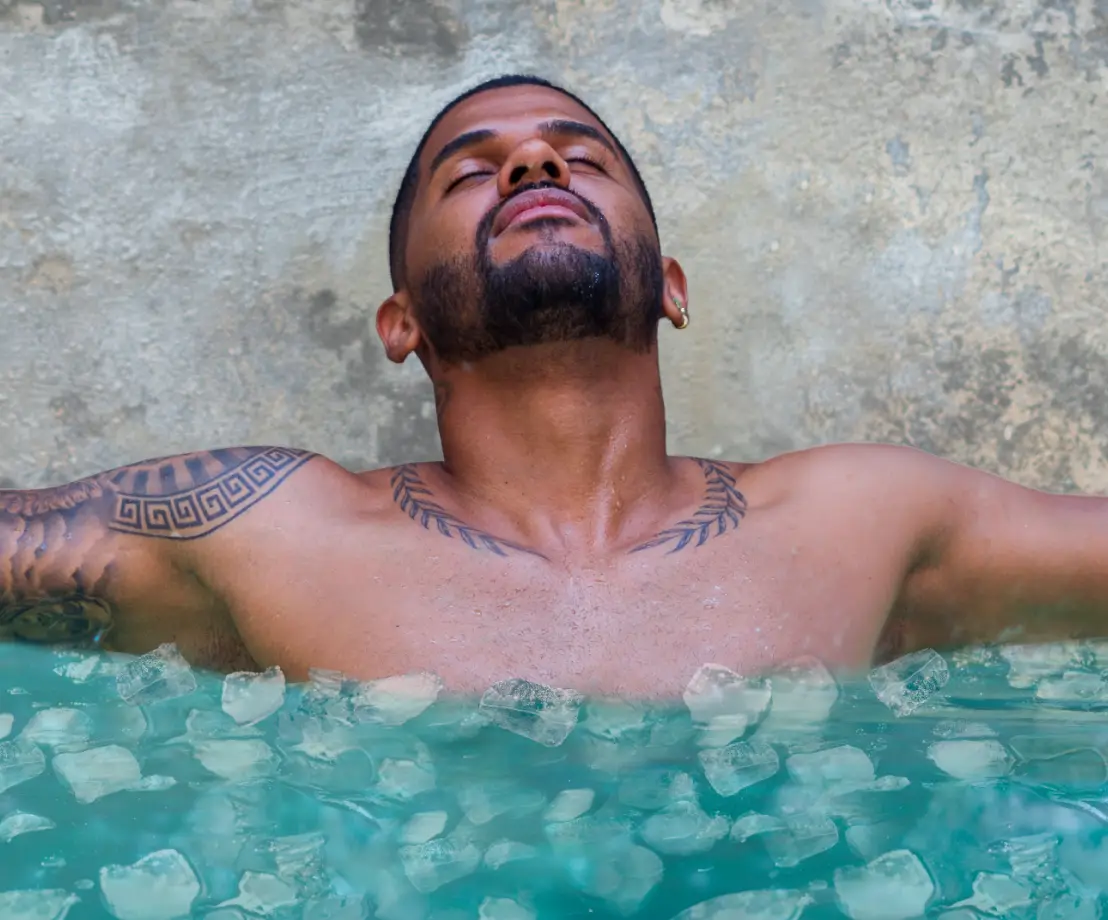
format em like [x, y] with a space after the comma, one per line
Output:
[893, 215]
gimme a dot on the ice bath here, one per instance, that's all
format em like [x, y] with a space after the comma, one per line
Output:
[958, 786]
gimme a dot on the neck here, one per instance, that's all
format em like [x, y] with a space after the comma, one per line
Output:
[565, 443]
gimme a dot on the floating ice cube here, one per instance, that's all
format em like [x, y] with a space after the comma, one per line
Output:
[160, 886]
[752, 824]
[396, 700]
[503, 852]
[482, 802]
[160, 675]
[907, 683]
[80, 670]
[683, 828]
[749, 905]
[998, 895]
[803, 836]
[249, 697]
[804, 692]
[404, 779]
[622, 878]
[1030, 663]
[838, 768]
[615, 719]
[1068, 906]
[50, 904]
[971, 759]
[569, 804]
[21, 822]
[732, 768]
[97, 772]
[20, 760]
[503, 909]
[319, 738]
[1073, 687]
[724, 703]
[423, 826]
[7, 720]
[264, 894]
[431, 865]
[895, 886]
[236, 759]
[59, 729]
[543, 714]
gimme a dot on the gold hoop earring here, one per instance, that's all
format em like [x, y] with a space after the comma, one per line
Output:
[684, 311]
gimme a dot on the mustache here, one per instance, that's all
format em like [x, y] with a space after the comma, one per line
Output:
[484, 228]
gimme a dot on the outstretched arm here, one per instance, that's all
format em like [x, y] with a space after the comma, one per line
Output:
[74, 559]
[1001, 562]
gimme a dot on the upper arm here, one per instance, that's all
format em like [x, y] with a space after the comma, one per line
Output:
[1002, 562]
[75, 557]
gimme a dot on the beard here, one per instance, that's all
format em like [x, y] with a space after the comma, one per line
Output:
[469, 308]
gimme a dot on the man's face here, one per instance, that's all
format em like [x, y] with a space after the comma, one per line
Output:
[528, 228]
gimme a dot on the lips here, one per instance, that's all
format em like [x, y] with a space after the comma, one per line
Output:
[541, 198]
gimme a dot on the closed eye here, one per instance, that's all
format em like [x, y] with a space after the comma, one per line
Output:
[470, 175]
[588, 161]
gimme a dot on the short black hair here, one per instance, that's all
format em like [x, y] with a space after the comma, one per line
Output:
[402, 207]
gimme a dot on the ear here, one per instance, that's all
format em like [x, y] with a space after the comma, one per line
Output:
[397, 327]
[675, 291]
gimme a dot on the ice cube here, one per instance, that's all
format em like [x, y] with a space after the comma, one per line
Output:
[895, 886]
[423, 826]
[998, 895]
[622, 878]
[59, 729]
[98, 772]
[503, 909]
[1030, 663]
[907, 683]
[971, 759]
[543, 714]
[7, 720]
[1073, 687]
[334, 908]
[749, 905]
[249, 697]
[503, 852]
[836, 769]
[49, 904]
[803, 836]
[683, 828]
[803, 694]
[396, 700]
[404, 779]
[320, 739]
[569, 804]
[1068, 906]
[160, 886]
[299, 856]
[724, 703]
[264, 894]
[160, 675]
[80, 670]
[21, 822]
[482, 802]
[749, 825]
[236, 759]
[433, 864]
[732, 768]
[614, 719]
[20, 760]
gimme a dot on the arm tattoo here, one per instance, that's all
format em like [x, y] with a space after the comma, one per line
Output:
[721, 510]
[57, 555]
[412, 495]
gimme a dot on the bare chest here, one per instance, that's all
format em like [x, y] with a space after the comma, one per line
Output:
[638, 629]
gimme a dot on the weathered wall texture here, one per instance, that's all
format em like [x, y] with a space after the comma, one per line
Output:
[893, 214]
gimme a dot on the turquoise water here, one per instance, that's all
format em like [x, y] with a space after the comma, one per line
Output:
[958, 786]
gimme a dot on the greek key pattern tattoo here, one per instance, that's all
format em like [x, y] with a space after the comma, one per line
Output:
[414, 498]
[722, 509]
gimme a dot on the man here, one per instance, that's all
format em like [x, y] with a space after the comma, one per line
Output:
[557, 541]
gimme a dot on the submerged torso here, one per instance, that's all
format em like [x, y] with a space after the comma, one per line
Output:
[360, 586]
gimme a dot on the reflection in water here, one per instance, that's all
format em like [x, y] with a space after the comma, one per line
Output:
[953, 786]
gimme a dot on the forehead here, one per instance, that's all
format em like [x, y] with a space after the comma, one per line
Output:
[505, 110]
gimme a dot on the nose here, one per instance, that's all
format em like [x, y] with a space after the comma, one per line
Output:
[531, 162]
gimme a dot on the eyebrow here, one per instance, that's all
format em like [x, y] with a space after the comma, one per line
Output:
[555, 128]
